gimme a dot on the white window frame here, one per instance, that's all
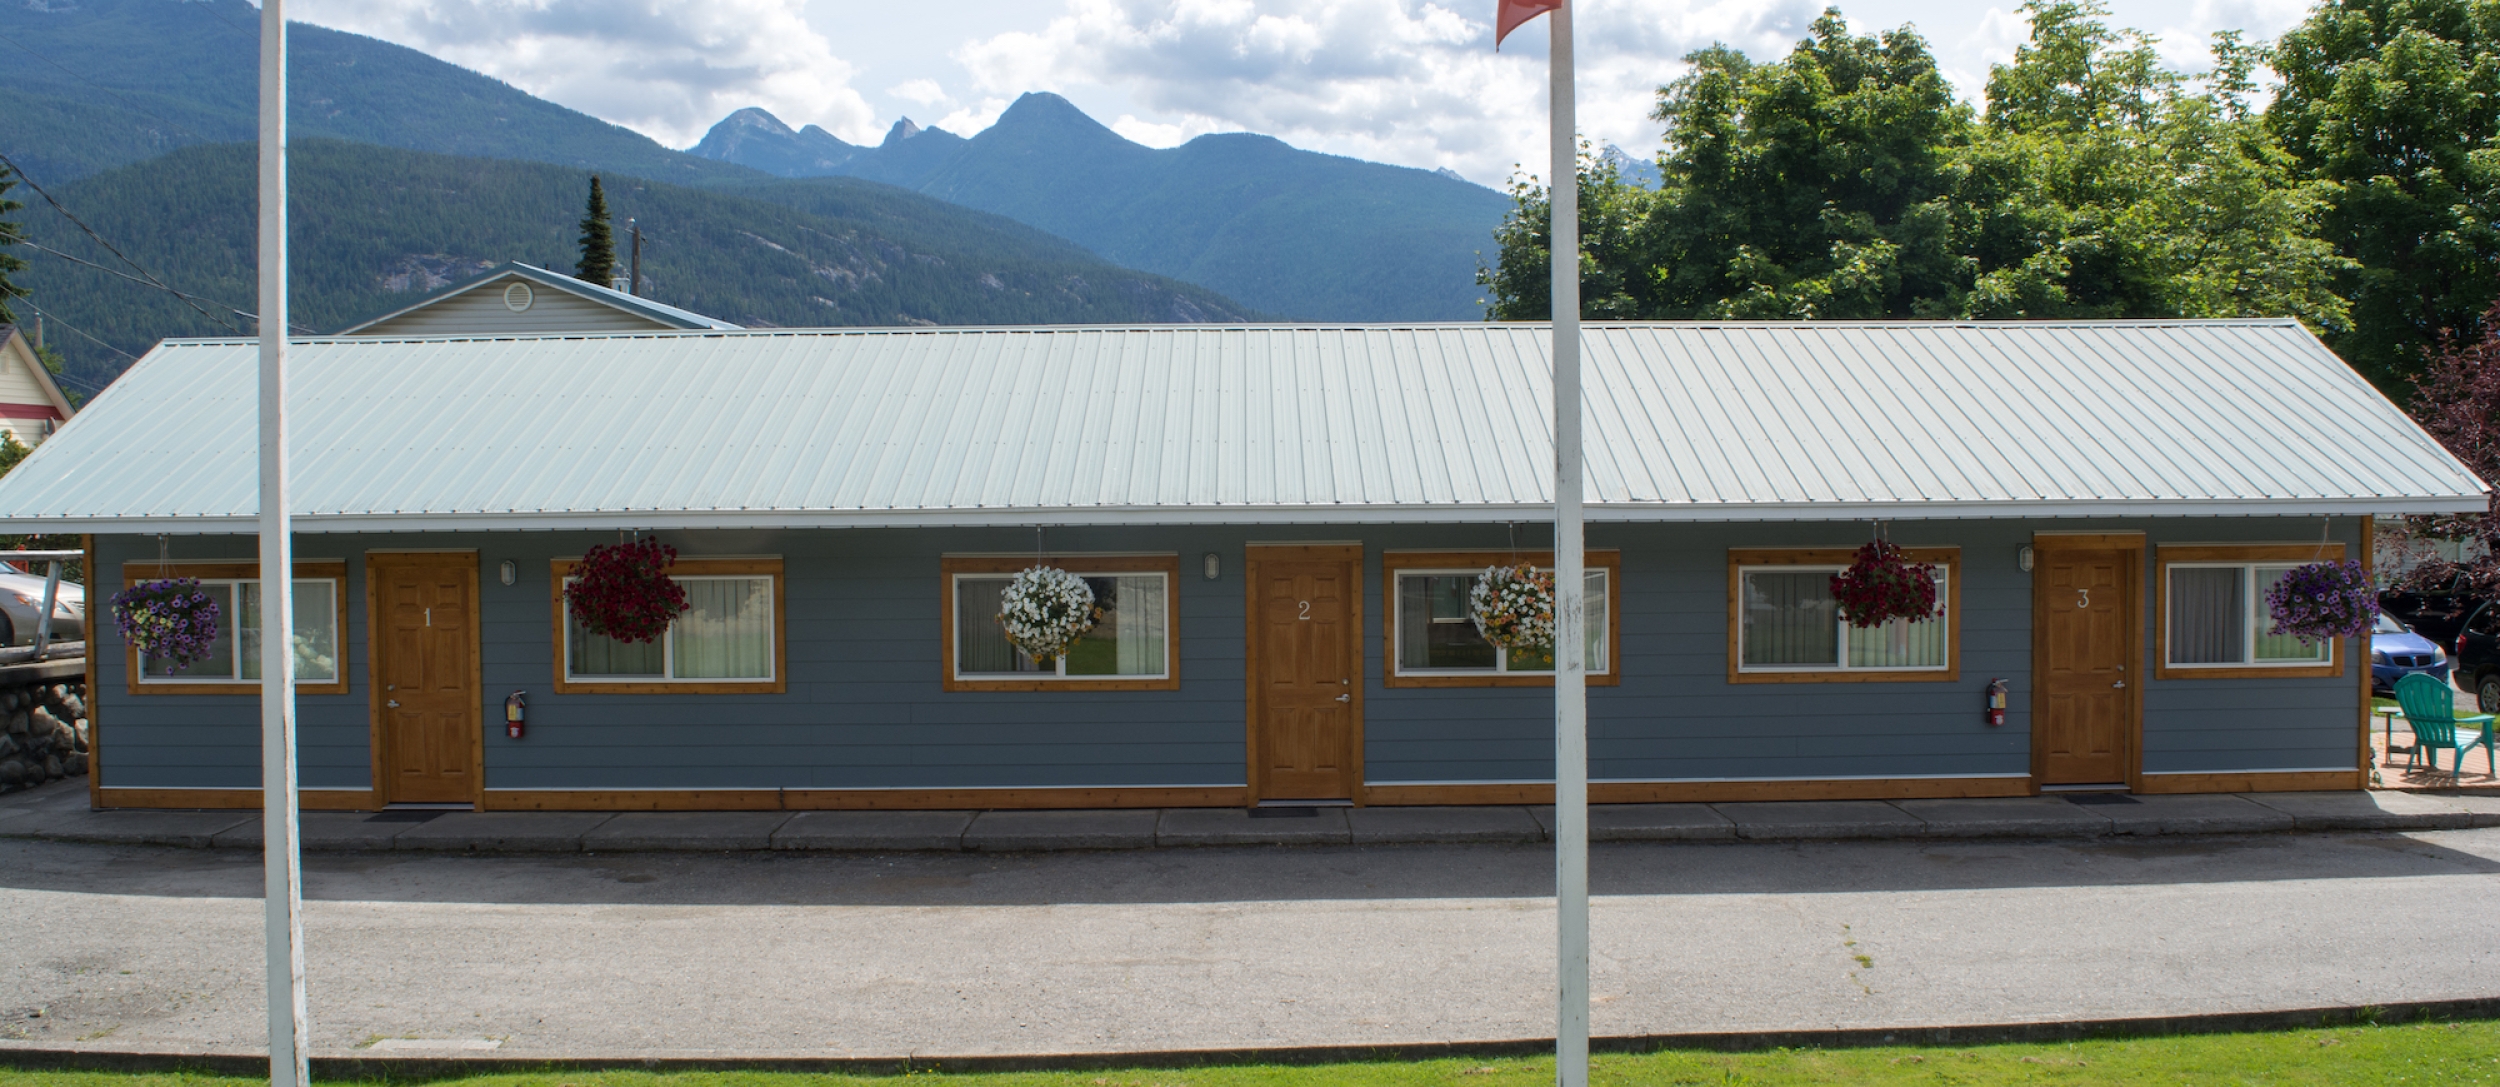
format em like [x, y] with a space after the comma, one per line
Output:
[1059, 667]
[1744, 629]
[1501, 656]
[668, 642]
[2256, 622]
[232, 621]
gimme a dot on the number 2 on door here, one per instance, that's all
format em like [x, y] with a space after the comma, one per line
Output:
[1306, 611]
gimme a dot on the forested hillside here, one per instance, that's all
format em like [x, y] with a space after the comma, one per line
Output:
[103, 83]
[374, 228]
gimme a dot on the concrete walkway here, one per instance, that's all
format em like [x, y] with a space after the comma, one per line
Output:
[59, 812]
[941, 955]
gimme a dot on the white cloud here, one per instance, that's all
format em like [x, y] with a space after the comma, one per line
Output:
[922, 92]
[1406, 81]
[665, 68]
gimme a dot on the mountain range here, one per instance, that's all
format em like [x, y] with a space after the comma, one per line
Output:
[1293, 232]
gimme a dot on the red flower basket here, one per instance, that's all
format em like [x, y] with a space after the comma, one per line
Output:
[1882, 585]
[623, 591]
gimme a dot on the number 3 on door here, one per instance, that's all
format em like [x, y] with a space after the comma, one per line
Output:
[2083, 598]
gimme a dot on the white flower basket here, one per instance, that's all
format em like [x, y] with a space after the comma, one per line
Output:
[1045, 610]
[1513, 606]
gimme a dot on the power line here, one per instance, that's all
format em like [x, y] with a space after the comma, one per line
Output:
[89, 386]
[40, 247]
[99, 240]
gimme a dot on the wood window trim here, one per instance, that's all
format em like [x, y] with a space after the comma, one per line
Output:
[1738, 559]
[2167, 555]
[244, 569]
[1392, 563]
[1169, 565]
[559, 569]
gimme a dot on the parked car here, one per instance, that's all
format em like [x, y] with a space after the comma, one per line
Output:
[2396, 651]
[2477, 657]
[21, 604]
[2436, 616]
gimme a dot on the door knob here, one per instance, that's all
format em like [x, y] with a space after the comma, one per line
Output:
[1345, 698]
[2120, 683]
[393, 703]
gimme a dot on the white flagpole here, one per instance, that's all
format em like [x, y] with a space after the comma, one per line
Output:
[283, 890]
[1571, 703]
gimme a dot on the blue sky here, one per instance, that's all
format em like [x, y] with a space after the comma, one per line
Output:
[1405, 81]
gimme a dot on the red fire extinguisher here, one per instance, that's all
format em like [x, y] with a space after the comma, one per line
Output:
[1996, 702]
[515, 709]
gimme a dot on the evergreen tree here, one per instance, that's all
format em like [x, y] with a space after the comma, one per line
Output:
[10, 234]
[598, 244]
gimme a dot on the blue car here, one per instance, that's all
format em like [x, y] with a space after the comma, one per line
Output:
[2396, 652]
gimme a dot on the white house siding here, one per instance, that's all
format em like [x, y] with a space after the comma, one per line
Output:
[481, 312]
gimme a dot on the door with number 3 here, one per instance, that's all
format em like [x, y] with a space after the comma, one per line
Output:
[2086, 658]
[1305, 671]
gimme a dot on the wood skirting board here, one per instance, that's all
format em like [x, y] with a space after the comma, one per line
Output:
[1700, 792]
[112, 796]
[2261, 781]
[1223, 796]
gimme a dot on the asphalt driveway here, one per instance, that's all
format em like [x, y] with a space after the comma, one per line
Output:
[157, 949]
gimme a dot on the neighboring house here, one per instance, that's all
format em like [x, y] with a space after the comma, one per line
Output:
[519, 300]
[1281, 523]
[31, 404]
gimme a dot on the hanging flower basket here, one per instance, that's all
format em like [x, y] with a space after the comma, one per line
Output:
[1045, 610]
[1513, 607]
[171, 621]
[623, 591]
[2323, 601]
[1882, 584]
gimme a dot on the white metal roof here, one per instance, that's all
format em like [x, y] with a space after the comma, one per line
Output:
[1697, 422]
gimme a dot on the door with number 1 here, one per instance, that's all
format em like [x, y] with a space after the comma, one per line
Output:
[1306, 671]
[421, 609]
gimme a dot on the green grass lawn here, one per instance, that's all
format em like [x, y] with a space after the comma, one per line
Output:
[2359, 1056]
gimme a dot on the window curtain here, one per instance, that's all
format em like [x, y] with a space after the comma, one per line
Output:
[1903, 643]
[726, 631]
[2208, 615]
[1139, 607]
[591, 654]
[2272, 647]
[316, 631]
[981, 646]
[1790, 619]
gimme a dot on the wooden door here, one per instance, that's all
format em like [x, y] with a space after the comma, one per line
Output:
[1306, 672]
[2087, 659]
[422, 611]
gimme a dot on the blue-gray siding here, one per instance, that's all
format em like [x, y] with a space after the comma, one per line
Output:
[864, 708]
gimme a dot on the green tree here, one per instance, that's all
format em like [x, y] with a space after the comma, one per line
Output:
[598, 264]
[10, 234]
[2394, 107]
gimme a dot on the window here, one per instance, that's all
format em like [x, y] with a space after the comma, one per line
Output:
[2214, 618]
[1785, 627]
[232, 665]
[1131, 646]
[729, 640]
[1433, 643]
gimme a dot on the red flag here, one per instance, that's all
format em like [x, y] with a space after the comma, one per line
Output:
[1511, 13]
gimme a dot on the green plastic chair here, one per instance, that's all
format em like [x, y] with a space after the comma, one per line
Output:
[2432, 709]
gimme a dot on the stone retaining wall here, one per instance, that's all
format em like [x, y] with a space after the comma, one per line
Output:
[43, 733]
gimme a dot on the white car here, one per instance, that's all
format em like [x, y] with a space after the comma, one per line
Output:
[21, 603]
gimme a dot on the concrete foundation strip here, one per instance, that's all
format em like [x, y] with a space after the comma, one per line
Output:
[437, 1067]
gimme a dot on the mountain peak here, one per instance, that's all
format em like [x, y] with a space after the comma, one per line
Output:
[903, 129]
[1044, 110]
[755, 118]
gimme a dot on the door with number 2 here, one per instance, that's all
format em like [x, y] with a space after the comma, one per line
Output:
[1306, 672]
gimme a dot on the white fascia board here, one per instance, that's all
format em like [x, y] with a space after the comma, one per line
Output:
[1449, 513]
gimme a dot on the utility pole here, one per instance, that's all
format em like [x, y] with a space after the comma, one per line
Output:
[633, 277]
[281, 848]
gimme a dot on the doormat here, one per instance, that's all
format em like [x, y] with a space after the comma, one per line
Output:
[403, 816]
[1284, 813]
[2102, 798]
